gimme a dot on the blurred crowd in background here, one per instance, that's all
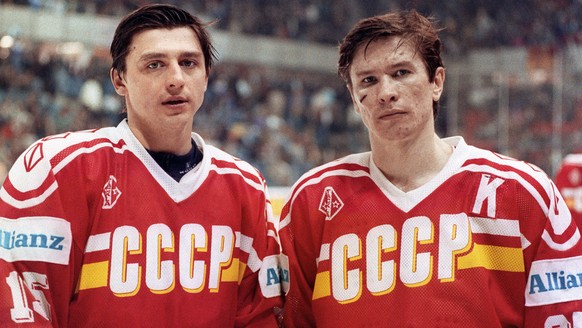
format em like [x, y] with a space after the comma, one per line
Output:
[468, 23]
[283, 121]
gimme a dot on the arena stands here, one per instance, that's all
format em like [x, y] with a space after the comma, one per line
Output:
[286, 121]
[468, 23]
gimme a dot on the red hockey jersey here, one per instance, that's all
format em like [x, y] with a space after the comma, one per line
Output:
[569, 182]
[488, 242]
[94, 233]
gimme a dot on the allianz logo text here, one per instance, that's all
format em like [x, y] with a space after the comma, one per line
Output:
[14, 239]
[555, 280]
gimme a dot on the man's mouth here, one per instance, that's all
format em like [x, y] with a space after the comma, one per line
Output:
[174, 102]
[392, 114]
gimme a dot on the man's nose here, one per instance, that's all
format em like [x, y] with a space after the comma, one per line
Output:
[387, 90]
[175, 77]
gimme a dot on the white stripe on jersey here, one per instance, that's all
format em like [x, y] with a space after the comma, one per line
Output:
[98, 242]
[88, 150]
[246, 245]
[518, 171]
[228, 170]
[323, 253]
[559, 223]
[563, 246]
[20, 204]
[509, 175]
[499, 227]
[342, 172]
[23, 182]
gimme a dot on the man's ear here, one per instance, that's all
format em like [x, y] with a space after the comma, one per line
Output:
[439, 83]
[118, 82]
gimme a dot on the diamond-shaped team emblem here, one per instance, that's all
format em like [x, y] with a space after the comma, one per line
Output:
[33, 156]
[330, 204]
[110, 193]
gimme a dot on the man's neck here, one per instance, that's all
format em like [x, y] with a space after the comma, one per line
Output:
[409, 166]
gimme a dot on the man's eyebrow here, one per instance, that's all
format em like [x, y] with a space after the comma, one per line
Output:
[159, 55]
[151, 55]
[363, 72]
[396, 65]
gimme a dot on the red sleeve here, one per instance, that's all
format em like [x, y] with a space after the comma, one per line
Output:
[260, 286]
[553, 295]
[297, 259]
[36, 245]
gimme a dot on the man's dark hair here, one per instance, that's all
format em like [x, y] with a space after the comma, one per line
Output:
[157, 16]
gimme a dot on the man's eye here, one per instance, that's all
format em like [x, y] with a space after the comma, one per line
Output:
[154, 65]
[369, 79]
[189, 63]
[401, 72]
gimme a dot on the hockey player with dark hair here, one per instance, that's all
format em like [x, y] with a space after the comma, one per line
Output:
[142, 224]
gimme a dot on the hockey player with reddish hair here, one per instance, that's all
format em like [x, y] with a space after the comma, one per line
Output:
[142, 224]
[423, 231]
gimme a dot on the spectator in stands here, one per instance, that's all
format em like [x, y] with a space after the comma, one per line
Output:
[569, 182]
[324, 21]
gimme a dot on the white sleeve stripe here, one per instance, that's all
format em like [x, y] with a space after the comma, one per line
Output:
[98, 242]
[254, 262]
[323, 253]
[246, 243]
[285, 222]
[81, 151]
[563, 246]
[348, 173]
[558, 223]
[511, 175]
[30, 202]
[500, 227]
[237, 236]
[223, 170]
[312, 181]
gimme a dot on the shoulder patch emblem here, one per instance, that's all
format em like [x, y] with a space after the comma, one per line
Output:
[330, 204]
[33, 156]
[110, 193]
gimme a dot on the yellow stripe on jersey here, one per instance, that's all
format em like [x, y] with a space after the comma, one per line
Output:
[94, 275]
[232, 273]
[493, 258]
[322, 287]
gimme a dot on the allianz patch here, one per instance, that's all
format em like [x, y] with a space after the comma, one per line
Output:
[270, 276]
[43, 239]
[554, 281]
